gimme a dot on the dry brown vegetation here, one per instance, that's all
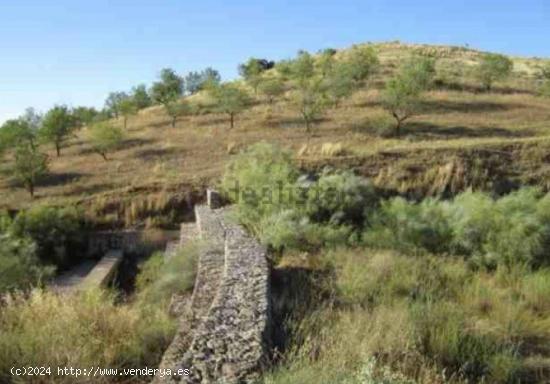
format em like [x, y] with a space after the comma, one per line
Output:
[461, 138]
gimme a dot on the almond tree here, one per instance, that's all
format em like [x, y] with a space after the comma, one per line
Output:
[403, 92]
[230, 99]
[29, 166]
[104, 138]
[311, 100]
[272, 88]
[176, 109]
[493, 67]
[127, 107]
[56, 126]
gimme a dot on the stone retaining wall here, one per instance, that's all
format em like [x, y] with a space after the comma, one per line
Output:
[224, 333]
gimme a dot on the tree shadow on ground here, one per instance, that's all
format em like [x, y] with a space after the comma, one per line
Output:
[60, 178]
[479, 89]
[88, 189]
[125, 144]
[448, 106]
[426, 131]
[154, 153]
[293, 122]
[215, 119]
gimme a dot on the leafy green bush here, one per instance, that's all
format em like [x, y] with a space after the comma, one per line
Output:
[289, 229]
[57, 233]
[407, 226]
[260, 181]
[292, 211]
[340, 198]
[514, 229]
[19, 266]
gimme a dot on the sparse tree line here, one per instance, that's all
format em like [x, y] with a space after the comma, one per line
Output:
[311, 83]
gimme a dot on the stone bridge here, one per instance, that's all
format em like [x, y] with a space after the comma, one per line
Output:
[225, 329]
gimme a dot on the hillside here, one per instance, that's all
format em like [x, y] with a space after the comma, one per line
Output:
[462, 137]
[334, 264]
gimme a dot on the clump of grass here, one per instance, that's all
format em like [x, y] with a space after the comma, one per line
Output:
[81, 330]
[161, 278]
[423, 319]
[92, 327]
[333, 149]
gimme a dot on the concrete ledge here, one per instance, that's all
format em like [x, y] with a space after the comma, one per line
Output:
[103, 271]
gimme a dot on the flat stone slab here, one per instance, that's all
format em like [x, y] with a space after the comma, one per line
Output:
[68, 281]
[103, 271]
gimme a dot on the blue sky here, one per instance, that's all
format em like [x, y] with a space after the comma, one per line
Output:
[76, 51]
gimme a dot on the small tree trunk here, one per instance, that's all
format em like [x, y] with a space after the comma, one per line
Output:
[30, 188]
[398, 128]
[174, 121]
[58, 149]
[104, 155]
[125, 122]
[398, 125]
[232, 119]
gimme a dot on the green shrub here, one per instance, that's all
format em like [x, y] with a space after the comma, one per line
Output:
[340, 198]
[290, 229]
[160, 278]
[512, 230]
[289, 211]
[57, 233]
[379, 124]
[19, 266]
[408, 226]
[261, 182]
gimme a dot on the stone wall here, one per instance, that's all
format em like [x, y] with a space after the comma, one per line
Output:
[224, 332]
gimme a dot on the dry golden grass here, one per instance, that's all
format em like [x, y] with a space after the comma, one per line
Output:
[157, 159]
